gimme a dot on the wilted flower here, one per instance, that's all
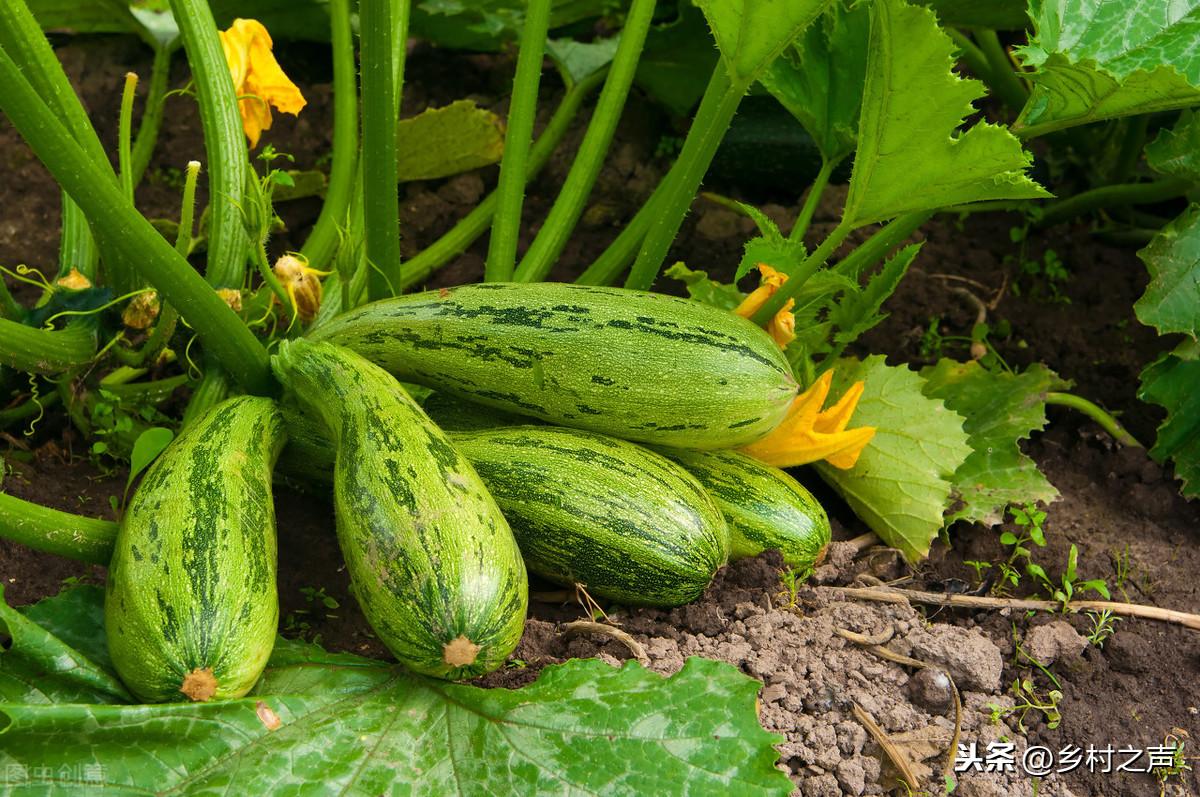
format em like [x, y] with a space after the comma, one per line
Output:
[74, 281]
[258, 79]
[142, 311]
[782, 328]
[302, 283]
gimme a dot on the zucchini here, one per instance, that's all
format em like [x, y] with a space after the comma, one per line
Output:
[191, 608]
[766, 509]
[631, 364]
[621, 520]
[431, 558]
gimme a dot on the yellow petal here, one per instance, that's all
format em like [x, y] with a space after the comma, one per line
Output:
[782, 327]
[754, 300]
[258, 79]
[807, 434]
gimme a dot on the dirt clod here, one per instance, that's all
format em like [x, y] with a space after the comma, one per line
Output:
[972, 659]
[931, 690]
[1054, 641]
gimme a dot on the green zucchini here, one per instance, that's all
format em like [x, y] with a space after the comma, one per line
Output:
[432, 561]
[635, 365]
[191, 608]
[621, 520]
[766, 509]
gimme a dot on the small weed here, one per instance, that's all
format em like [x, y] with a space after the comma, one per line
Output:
[1121, 566]
[1029, 520]
[1041, 279]
[317, 595]
[792, 579]
[1103, 626]
[979, 568]
[298, 623]
[932, 341]
[1178, 763]
[1028, 699]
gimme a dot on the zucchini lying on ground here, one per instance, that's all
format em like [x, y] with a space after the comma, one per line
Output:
[621, 520]
[635, 365]
[191, 608]
[766, 509]
[432, 560]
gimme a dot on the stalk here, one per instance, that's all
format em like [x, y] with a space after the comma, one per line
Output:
[323, 240]
[1109, 196]
[152, 112]
[877, 247]
[46, 351]
[605, 269]
[470, 227]
[812, 200]
[1133, 140]
[8, 305]
[796, 281]
[514, 169]
[1103, 419]
[1005, 83]
[720, 103]
[125, 136]
[214, 387]
[49, 530]
[381, 211]
[224, 143]
[88, 184]
[563, 217]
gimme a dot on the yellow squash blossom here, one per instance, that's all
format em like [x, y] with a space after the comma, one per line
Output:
[809, 433]
[782, 327]
[302, 284]
[257, 78]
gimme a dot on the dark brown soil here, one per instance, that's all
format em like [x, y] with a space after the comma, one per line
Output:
[1116, 505]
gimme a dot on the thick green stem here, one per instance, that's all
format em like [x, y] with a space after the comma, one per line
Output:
[465, 232]
[1105, 420]
[1133, 139]
[152, 112]
[222, 331]
[877, 247]
[322, 242]
[8, 305]
[514, 168]
[381, 206]
[125, 136]
[617, 256]
[49, 530]
[716, 111]
[812, 200]
[214, 387]
[46, 351]
[1110, 196]
[1004, 82]
[796, 280]
[576, 189]
[224, 143]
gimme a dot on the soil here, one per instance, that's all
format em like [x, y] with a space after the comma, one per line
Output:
[1120, 508]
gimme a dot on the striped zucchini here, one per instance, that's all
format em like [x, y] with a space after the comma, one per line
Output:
[766, 509]
[621, 520]
[432, 560]
[635, 365]
[191, 608]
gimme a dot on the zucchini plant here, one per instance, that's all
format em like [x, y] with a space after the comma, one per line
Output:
[424, 517]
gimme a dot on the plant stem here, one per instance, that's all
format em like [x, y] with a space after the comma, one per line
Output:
[576, 189]
[323, 240]
[1134, 138]
[212, 390]
[46, 351]
[27, 409]
[222, 331]
[716, 111]
[8, 305]
[152, 111]
[125, 136]
[514, 169]
[1103, 419]
[224, 143]
[792, 287]
[811, 201]
[49, 530]
[875, 248]
[1004, 81]
[475, 223]
[1113, 196]
[617, 256]
[381, 210]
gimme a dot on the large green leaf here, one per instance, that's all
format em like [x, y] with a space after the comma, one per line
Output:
[1098, 59]
[901, 485]
[675, 53]
[819, 79]
[911, 156]
[1176, 150]
[83, 16]
[442, 141]
[1171, 302]
[752, 33]
[323, 723]
[488, 24]
[1173, 382]
[1000, 409]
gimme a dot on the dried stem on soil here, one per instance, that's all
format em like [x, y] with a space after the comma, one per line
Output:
[588, 627]
[893, 595]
